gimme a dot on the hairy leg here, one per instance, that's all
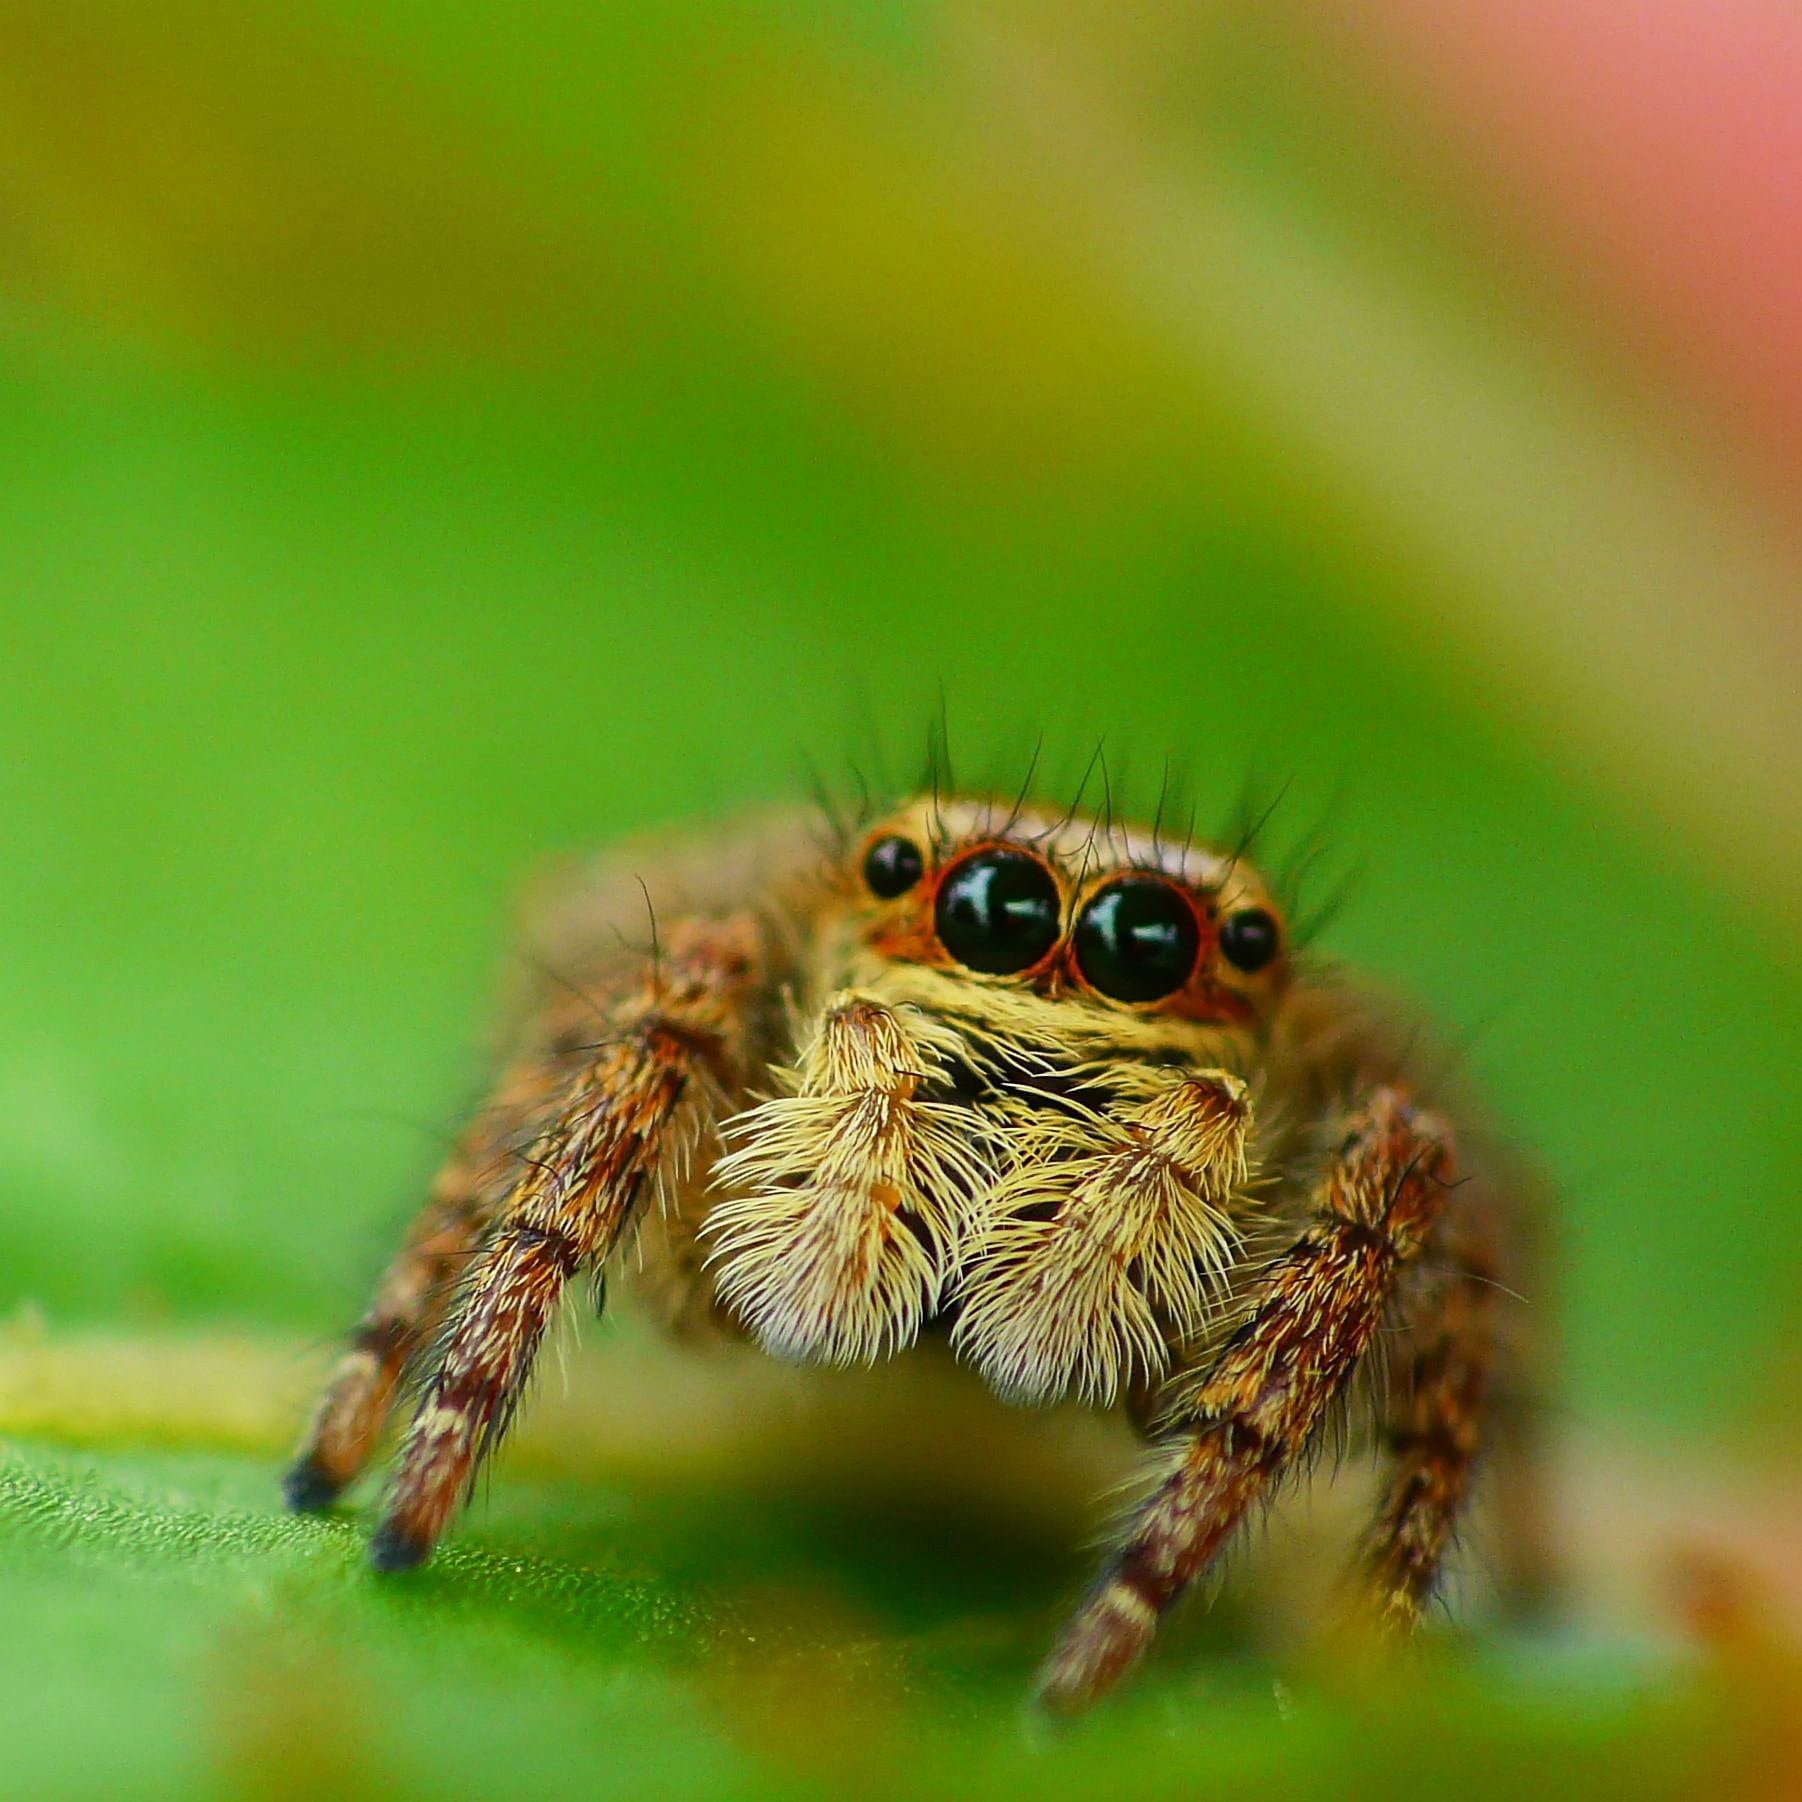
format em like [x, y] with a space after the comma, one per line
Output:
[1254, 1409]
[408, 1303]
[411, 1298]
[673, 1037]
[1432, 1426]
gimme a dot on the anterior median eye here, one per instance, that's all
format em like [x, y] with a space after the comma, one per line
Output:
[1137, 940]
[892, 866]
[998, 912]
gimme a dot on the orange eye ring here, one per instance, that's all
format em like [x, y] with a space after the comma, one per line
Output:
[998, 911]
[1137, 939]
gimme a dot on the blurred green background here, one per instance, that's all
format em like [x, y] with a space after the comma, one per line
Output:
[430, 440]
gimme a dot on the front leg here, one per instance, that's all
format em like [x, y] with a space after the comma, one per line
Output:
[673, 1038]
[409, 1304]
[1256, 1408]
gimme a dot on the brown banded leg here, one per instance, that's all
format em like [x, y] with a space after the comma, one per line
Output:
[408, 1304]
[673, 1040]
[1432, 1427]
[1254, 1410]
[410, 1301]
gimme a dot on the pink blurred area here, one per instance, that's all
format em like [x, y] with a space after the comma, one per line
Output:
[1660, 144]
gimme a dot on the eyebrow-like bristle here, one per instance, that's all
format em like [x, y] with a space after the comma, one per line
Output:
[1157, 818]
[938, 781]
[1188, 838]
[1249, 836]
[1082, 787]
[822, 796]
[1032, 770]
[866, 805]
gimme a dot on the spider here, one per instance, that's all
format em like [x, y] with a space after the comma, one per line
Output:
[1058, 1090]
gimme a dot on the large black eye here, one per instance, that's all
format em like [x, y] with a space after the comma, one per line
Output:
[998, 912]
[1137, 940]
[893, 866]
[1249, 939]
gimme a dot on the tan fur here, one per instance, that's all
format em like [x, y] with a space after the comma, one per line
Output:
[813, 1250]
[1108, 1237]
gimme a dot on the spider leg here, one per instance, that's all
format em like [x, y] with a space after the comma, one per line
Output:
[408, 1303]
[1432, 1426]
[410, 1300]
[1255, 1407]
[1470, 1383]
[672, 1040]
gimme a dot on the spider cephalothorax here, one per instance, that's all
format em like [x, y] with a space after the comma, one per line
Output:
[1055, 1089]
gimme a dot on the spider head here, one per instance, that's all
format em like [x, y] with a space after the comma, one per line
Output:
[1020, 912]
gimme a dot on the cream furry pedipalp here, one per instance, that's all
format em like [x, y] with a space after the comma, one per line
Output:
[850, 1198]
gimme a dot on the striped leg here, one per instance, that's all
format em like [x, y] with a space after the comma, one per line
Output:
[1434, 1423]
[410, 1301]
[676, 1038]
[1255, 1409]
[407, 1306]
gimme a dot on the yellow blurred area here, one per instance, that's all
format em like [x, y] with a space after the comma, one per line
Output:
[1035, 251]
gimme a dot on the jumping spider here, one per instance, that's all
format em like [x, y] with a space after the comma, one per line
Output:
[1057, 1089]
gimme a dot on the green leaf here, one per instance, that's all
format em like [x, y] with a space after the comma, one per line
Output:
[726, 1581]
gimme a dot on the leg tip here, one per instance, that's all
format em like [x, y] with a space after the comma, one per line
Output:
[308, 1487]
[1065, 1687]
[392, 1548]
[1065, 1690]
[1053, 1704]
[1104, 1641]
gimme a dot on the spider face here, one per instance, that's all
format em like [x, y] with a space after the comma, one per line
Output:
[1058, 909]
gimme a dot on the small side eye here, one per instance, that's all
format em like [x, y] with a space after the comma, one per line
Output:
[1249, 939]
[1137, 940]
[892, 866]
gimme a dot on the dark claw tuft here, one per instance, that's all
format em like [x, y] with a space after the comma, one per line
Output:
[308, 1487]
[392, 1549]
